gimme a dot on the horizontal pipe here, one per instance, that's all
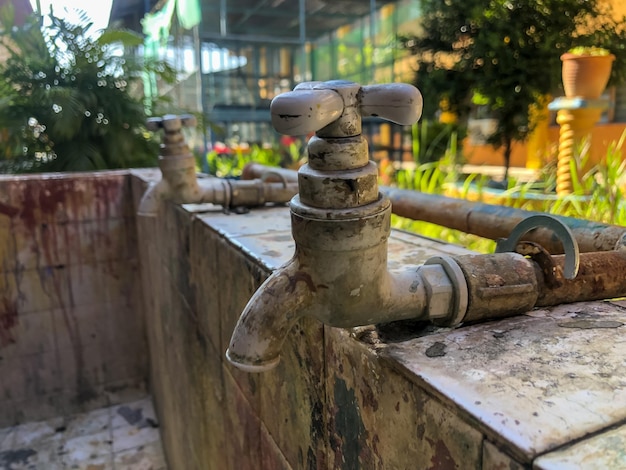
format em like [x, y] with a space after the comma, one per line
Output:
[507, 284]
[494, 222]
[601, 275]
[268, 173]
[485, 220]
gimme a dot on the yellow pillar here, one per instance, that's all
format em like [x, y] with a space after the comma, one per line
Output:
[538, 142]
[576, 126]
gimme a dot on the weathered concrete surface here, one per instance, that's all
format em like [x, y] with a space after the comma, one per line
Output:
[532, 383]
[492, 396]
[495, 459]
[605, 451]
[378, 419]
[71, 326]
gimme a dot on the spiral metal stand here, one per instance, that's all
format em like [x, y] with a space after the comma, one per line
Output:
[577, 117]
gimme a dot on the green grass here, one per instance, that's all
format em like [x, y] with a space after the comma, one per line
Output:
[597, 193]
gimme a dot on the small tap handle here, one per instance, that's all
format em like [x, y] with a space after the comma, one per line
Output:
[312, 106]
[305, 110]
[560, 230]
[396, 102]
[171, 122]
[173, 143]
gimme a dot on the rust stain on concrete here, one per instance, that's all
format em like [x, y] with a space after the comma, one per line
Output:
[47, 206]
[442, 458]
[8, 321]
[8, 210]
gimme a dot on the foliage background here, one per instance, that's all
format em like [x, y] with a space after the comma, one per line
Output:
[70, 101]
[505, 55]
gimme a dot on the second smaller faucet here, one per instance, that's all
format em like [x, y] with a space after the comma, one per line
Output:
[179, 183]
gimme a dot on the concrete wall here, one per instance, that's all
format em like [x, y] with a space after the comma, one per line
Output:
[534, 391]
[331, 403]
[71, 329]
[539, 391]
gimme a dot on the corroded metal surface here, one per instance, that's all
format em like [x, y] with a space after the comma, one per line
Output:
[340, 224]
[256, 170]
[559, 230]
[601, 275]
[500, 285]
[534, 382]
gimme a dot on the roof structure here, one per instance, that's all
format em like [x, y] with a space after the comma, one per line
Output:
[287, 21]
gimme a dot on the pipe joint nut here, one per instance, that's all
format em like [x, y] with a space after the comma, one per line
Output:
[446, 290]
[439, 291]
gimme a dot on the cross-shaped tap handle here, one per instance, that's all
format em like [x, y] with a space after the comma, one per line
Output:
[335, 108]
[171, 122]
[173, 144]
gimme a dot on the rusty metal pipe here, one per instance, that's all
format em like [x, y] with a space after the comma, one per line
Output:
[601, 275]
[494, 222]
[506, 284]
[485, 220]
[255, 170]
[499, 285]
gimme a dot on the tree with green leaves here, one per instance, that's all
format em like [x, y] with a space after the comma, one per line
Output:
[71, 100]
[508, 53]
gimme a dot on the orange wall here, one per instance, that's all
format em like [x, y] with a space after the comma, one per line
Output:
[602, 136]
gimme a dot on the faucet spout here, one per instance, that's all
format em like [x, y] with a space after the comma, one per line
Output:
[339, 221]
[149, 204]
[269, 315]
[339, 275]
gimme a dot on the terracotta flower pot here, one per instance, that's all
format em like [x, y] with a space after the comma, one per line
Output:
[585, 76]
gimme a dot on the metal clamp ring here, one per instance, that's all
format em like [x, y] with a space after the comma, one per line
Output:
[562, 231]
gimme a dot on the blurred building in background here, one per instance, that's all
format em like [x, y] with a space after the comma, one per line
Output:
[234, 56]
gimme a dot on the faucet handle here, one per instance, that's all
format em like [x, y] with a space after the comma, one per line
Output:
[311, 106]
[171, 122]
[305, 110]
[173, 144]
[400, 103]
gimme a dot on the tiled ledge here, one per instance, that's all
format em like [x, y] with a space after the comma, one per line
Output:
[542, 389]
[531, 383]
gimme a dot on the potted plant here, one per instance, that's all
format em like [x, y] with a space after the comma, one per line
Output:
[586, 71]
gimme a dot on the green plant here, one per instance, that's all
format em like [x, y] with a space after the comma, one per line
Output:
[598, 193]
[433, 178]
[432, 140]
[508, 52]
[230, 164]
[594, 51]
[67, 100]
